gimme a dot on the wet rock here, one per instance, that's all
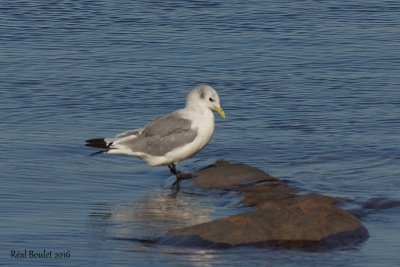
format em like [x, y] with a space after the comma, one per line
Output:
[254, 195]
[225, 175]
[280, 217]
[304, 221]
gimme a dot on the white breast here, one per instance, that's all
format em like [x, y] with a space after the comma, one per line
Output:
[205, 128]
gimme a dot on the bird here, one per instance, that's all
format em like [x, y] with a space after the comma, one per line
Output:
[172, 137]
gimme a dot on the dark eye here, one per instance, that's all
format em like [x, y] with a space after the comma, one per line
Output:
[211, 99]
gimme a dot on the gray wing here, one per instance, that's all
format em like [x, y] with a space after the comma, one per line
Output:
[162, 135]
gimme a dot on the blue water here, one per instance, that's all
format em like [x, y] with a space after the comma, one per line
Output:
[312, 95]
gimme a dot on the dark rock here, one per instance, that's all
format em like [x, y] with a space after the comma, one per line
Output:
[225, 175]
[280, 218]
[378, 203]
[304, 221]
[257, 194]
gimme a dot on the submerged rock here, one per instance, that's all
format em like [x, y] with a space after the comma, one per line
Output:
[378, 203]
[280, 218]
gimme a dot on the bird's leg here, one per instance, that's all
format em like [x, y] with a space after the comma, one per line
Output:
[172, 168]
[179, 176]
[176, 185]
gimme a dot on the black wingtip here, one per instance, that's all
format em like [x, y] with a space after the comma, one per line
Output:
[96, 142]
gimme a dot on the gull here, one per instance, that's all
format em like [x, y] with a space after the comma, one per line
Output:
[172, 137]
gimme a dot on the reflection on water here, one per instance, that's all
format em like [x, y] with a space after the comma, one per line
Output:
[141, 223]
[157, 213]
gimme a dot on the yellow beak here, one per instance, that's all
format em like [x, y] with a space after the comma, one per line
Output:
[220, 111]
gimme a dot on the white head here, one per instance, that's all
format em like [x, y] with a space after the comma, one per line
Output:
[206, 97]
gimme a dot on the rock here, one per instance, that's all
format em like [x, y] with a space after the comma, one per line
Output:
[254, 195]
[254, 184]
[378, 203]
[280, 218]
[304, 221]
[225, 175]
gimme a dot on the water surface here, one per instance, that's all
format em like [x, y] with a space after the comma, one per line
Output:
[311, 91]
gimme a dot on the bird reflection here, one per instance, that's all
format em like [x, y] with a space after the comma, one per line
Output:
[144, 222]
[158, 213]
